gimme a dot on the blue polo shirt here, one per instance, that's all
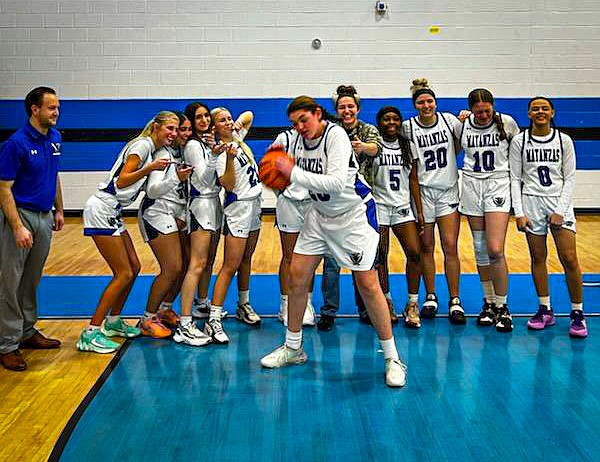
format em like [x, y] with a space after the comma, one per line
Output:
[31, 159]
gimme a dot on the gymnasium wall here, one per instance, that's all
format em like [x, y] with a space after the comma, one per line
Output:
[115, 63]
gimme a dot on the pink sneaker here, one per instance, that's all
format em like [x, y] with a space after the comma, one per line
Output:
[578, 327]
[544, 317]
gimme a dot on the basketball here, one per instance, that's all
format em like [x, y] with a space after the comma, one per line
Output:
[268, 172]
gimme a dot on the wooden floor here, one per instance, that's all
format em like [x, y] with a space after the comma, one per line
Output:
[36, 404]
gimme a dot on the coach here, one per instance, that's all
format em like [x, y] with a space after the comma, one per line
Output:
[29, 186]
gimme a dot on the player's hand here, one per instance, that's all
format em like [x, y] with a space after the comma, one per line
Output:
[237, 126]
[284, 167]
[523, 223]
[357, 145]
[463, 115]
[183, 173]
[58, 220]
[231, 150]
[159, 164]
[275, 146]
[556, 221]
[209, 138]
[420, 223]
[23, 237]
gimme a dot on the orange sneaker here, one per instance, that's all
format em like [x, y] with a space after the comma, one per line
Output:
[152, 327]
[168, 317]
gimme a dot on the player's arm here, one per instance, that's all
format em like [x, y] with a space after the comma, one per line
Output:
[227, 178]
[370, 143]
[415, 192]
[516, 168]
[204, 168]
[59, 212]
[23, 237]
[568, 169]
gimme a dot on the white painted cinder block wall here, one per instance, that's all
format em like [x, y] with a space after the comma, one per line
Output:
[221, 49]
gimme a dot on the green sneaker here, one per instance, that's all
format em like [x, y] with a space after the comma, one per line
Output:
[119, 329]
[97, 342]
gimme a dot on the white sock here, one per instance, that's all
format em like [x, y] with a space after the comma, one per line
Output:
[215, 312]
[91, 328]
[293, 340]
[309, 299]
[389, 348]
[413, 298]
[243, 297]
[284, 300]
[501, 299]
[112, 319]
[165, 306]
[185, 320]
[545, 301]
[488, 291]
[577, 306]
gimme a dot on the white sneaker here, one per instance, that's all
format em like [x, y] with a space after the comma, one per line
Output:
[246, 314]
[284, 356]
[214, 328]
[395, 373]
[191, 335]
[202, 311]
[283, 313]
[309, 314]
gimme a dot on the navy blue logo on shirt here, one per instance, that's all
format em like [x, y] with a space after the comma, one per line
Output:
[356, 257]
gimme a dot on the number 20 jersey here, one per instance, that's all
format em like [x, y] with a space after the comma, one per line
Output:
[435, 149]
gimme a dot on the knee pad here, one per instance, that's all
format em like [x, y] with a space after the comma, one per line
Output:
[480, 246]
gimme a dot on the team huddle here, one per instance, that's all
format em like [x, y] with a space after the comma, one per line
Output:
[341, 185]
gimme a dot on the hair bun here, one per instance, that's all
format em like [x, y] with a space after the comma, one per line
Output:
[418, 84]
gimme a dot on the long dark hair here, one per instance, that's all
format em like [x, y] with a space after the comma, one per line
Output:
[307, 103]
[190, 113]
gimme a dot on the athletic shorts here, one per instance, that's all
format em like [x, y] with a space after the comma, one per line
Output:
[482, 195]
[392, 215]
[101, 218]
[289, 214]
[206, 213]
[438, 202]
[157, 217]
[539, 208]
[351, 238]
[242, 217]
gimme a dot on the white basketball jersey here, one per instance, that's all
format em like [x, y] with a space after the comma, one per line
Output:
[327, 167]
[391, 179]
[165, 184]
[203, 182]
[486, 155]
[542, 162]
[143, 148]
[435, 149]
[247, 184]
[288, 139]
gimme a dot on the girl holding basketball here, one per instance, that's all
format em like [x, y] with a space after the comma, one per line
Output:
[102, 221]
[435, 136]
[395, 181]
[341, 223]
[237, 173]
[485, 200]
[542, 172]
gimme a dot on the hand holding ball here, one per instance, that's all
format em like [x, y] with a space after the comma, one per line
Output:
[275, 168]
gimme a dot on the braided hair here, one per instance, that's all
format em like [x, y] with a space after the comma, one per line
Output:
[481, 95]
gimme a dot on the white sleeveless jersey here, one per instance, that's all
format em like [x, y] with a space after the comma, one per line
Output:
[165, 184]
[143, 148]
[327, 167]
[391, 176]
[545, 166]
[247, 184]
[486, 155]
[435, 149]
[203, 182]
[288, 139]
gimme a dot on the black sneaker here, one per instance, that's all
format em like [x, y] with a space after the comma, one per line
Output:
[326, 323]
[504, 320]
[456, 313]
[430, 307]
[488, 314]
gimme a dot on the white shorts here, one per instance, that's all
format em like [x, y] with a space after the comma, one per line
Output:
[242, 217]
[157, 216]
[482, 195]
[102, 219]
[392, 215]
[290, 213]
[351, 238]
[539, 208]
[438, 202]
[206, 213]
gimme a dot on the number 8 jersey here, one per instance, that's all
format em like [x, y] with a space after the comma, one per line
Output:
[544, 166]
[435, 149]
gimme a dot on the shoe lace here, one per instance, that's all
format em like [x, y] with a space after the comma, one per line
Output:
[577, 318]
[216, 326]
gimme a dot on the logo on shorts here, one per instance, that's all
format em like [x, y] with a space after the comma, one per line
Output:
[568, 223]
[499, 201]
[403, 212]
[112, 221]
[453, 206]
[356, 257]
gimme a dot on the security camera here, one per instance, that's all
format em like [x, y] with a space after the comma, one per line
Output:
[381, 7]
